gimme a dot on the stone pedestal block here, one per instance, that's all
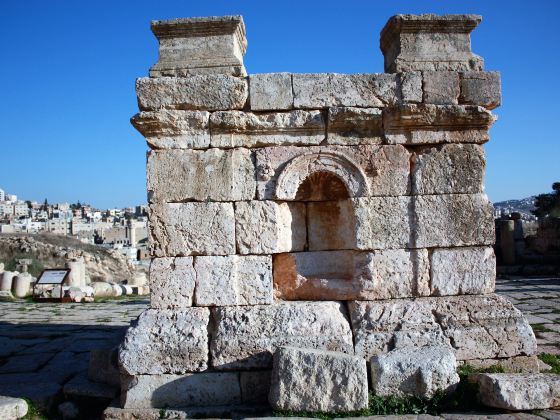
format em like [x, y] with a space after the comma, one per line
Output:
[420, 372]
[268, 227]
[453, 220]
[166, 341]
[449, 169]
[316, 380]
[476, 327]
[190, 390]
[214, 174]
[203, 92]
[181, 229]
[459, 271]
[429, 42]
[172, 282]
[202, 45]
[233, 280]
[174, 129]
[271, 91]
[246, 129]
[245, 337]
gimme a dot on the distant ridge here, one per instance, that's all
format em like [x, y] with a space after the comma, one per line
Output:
[523, 205]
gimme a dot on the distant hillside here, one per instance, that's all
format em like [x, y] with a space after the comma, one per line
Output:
[523, 205]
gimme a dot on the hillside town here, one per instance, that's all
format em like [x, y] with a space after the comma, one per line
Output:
[124, 229]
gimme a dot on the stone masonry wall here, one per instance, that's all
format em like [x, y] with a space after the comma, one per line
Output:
[342, 212]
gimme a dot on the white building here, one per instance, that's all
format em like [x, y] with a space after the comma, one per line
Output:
[2, 195]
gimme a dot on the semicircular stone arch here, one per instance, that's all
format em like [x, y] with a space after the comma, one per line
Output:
[340, 165]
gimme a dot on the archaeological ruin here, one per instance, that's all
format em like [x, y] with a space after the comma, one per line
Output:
[305, 227]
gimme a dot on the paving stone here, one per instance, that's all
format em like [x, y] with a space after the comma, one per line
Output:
[25, 363]
[42, 394]
[310, 380]
[82, 388]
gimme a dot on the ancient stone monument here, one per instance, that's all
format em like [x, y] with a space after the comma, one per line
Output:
[337, 212]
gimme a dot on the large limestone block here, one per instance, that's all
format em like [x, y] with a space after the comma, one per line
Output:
[325, 90]
[247, 129]
[210, 92]
[411, 86]
[268, 227]
[271, 91]
[172, 282]
[429, 42]
[318, 380]
[449, 169]
[477, 327]
[190, 390]
[441, 87]
[174, 129]
[382, 222]
[363, 170]
[213, 174]
[166, 341]
[12, 408]
[347, 275]
[245, 337]
[453, 220]
[201, 45]
[509, 391]
[420, 372]
[350, 125]
[481, 88]
[181, 229]
[434, 124]
[233, 280]
[461, 271]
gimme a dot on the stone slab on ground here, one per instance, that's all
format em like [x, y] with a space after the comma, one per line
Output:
[518, 391]
[316, 380]
[81, 388]
[12, 408]
[421, 372]
[246, 336]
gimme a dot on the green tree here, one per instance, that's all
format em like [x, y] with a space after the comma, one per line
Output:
[548, 205]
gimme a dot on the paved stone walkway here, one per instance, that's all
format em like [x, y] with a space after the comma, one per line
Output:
[44, 346]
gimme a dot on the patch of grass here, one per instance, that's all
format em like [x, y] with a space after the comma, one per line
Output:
[555, 311]
[33, 413]
[466, 370]
[540, 328]
[34, 269]
[552, 360]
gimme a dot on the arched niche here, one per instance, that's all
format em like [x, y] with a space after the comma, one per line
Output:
[321, 165]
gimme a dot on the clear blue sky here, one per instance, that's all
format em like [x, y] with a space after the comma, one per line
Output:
[68, 71]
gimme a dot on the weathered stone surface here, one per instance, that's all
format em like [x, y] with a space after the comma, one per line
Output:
[323, 90]
[174, 129]
[200, 45]
[169, 341]
[103, 366]
[198, 389]
[180, 229]
[233, 280]
[349, 125]
[481, 88]
[330, 225]
[477, 327]
[433, 124]
[429, 42]
[213, 174]
[460, 271]
[81, 387]
[411, 86]
[511, 391]
[255, 386]
[246, 129]
[441, 87]
[346, 275]
[210, 92]
[382, 222]
[268, 227]
[246, 336]
[172, 282]
[271, 91]
[449, 169]
[364, 170]
[421, 372]
[12, 408]
[517, 364]
[318, 380]
[453, 220]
